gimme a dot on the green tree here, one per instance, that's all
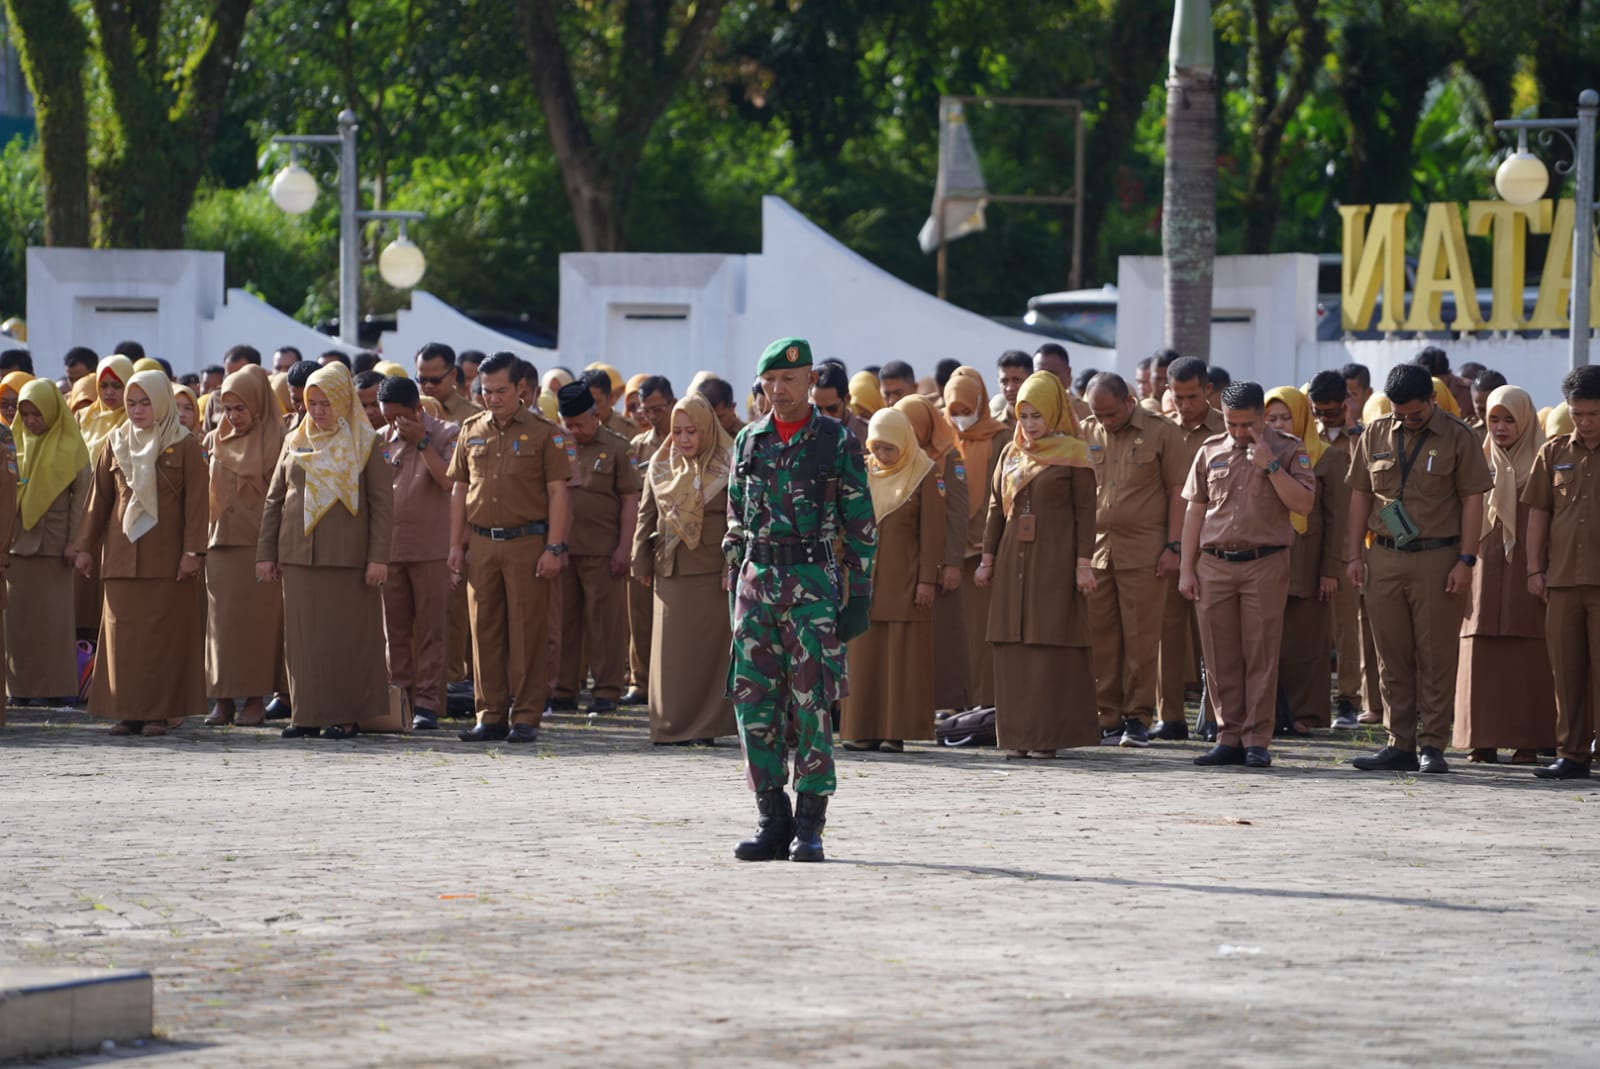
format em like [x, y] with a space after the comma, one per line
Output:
[53, 44]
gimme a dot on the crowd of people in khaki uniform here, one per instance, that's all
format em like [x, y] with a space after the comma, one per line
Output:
[324, 540]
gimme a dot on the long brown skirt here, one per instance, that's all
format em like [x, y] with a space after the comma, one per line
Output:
[86, 597]
[950, 650]
[980, 655]
[690, 643]
[891, 682]
[333, 639]
[1505, 694]
[1044, 697]
[1305, 671]
[41, 645]
[244, 642]
[150, 663]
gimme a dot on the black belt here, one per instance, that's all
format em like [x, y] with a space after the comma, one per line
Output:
[506, 534]
[1415, 547]
[790, 553]
[1240, 556]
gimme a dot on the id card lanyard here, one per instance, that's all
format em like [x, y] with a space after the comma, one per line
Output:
[1407, 463]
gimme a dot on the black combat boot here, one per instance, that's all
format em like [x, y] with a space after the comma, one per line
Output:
[811, 813]
[773, 831]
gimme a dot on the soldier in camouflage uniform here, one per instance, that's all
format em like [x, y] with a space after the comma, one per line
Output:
[799, 487]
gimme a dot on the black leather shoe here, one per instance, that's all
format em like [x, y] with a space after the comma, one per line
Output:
[1433, 761]
[561, 705]
[1564, 768]
[1388, 759]
[634, 696]
[1170, 731]
[293, 732]
[341, 731]
[602, 707]
[810, 814]
[1222, 754]
[776, 828]
[485, 733]
[424, 719]
[523, 733]
[278, 709]
[1257, 757]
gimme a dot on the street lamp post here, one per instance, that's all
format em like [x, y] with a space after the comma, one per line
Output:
[1523, 179]
[294, 190]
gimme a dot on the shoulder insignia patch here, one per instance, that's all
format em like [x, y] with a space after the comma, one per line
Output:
[1305, 461]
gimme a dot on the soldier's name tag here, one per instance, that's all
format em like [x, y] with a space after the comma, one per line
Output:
[1222, 462]
[1563, 467]
[1027, 527]
[1382, 456]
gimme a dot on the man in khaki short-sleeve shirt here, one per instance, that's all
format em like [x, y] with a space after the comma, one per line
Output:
[1416, 594]
[1139, 465]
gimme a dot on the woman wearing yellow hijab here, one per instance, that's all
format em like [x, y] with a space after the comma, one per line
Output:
[325, 531]
[106, 414]
[53, 490]
[10, 387]
[244, 641]
[865, 396]
[937, 438]
[677, 556]
[1505, 690]
[1316, 561]
[147, 524]
[1558, 422]
[1037, 550]
[978, 438]
[891, 666]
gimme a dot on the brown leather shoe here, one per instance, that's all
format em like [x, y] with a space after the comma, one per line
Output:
[1483, 755]
[1525, 757]
[126, 727]
[155, 727]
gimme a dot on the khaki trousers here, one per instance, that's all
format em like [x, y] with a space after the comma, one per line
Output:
[1180, 641]
[641, 620]
[1572, 630]
[1416, 628]
[1125, 618]
[458, 652]
[1347, 641]
[593, 623]
[1241, 627]
[416, 600]
[1371, 686]
[507, 603]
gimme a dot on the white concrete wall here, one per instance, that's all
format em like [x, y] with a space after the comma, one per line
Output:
[429, 320]
[1278, 295]
[170, 301]
[803, 282]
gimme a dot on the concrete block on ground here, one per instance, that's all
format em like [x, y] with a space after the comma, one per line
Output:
[54, 1010]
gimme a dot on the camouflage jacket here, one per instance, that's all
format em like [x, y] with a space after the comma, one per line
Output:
[770, 499]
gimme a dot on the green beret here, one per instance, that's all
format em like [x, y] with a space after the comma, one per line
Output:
[785, 353]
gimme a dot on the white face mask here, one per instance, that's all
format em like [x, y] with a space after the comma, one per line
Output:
[964, 423]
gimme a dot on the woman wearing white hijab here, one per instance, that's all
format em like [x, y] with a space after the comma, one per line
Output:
[1505, 691]
[147, 519]
[325, 531]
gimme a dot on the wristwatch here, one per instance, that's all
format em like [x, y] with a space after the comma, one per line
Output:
[1273, 465]
[558, 548]
[425, 441]
[1469, 559]
[1175, 547]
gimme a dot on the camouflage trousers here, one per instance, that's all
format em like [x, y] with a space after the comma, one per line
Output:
[784, 676]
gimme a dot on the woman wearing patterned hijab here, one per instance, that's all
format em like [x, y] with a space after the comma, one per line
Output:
[147, 523]
[677, 551]
[1037, 551]
[1505, 690]
[325, 532]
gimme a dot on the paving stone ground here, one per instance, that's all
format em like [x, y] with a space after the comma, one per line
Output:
[415, 901]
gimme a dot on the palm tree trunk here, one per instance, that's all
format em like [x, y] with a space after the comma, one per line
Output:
[1189, 210]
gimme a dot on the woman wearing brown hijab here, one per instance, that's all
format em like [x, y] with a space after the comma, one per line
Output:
[244, 649]
[937, 439]
[325, 531]
[891, 669]
[966, 407]
[1037, 551]
[1505, 690]
[677, 551]
[147, 521]
[54, 477]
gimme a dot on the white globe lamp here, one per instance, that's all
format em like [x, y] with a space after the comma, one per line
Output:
[294, 190]
[1522, 178]
[401, 263]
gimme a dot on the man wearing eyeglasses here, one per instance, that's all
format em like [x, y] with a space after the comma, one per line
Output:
[436, 375]
[655, 408]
